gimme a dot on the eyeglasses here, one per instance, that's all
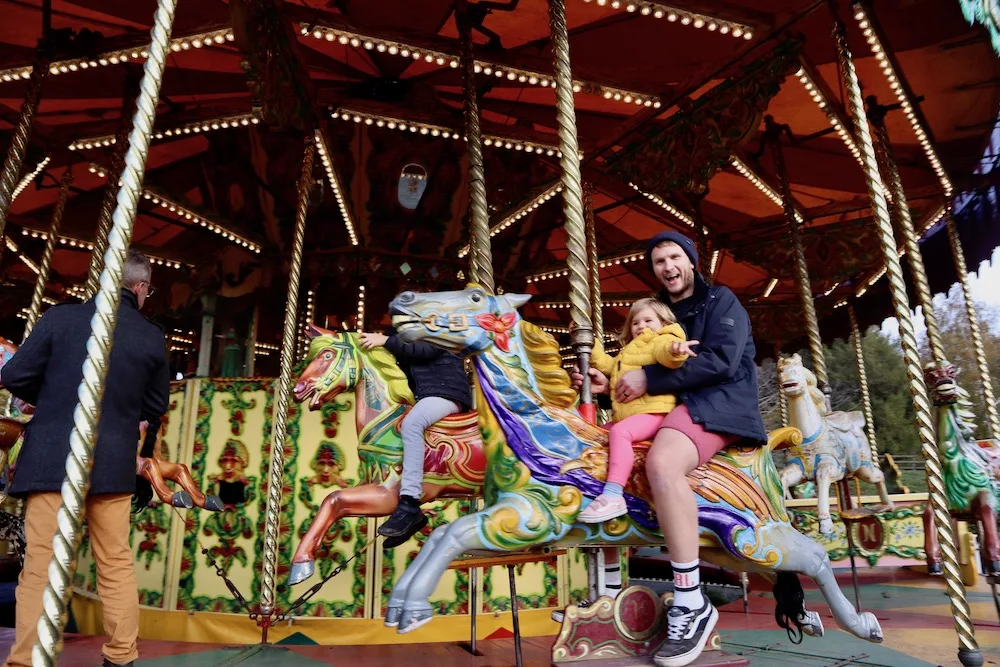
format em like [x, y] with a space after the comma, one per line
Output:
[150, 290]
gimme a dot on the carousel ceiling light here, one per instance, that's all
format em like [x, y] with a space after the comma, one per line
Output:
[195, 127]
[933, 219]
[885, 63]
[519, 213]
[614, 260]
[87, 245]
[832, 114]
[360, 322]
[28, 178]
[698, 20]
[21, 256]
[510, 143]
[770, 287]
[335, 185]
[714, 263]
[565, 305]
[182, 43]
[521, 75]
[555, 329]
[184, 213]
[669, 208]
[830, 291]
[761, 185]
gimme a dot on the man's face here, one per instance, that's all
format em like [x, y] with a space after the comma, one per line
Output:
[673, 268]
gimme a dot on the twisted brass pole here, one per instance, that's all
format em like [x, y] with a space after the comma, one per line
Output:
[35, 311]
[596, 312]
[992, 418]
[576, 234]
[782, 400]
[110, 190]
[968, 652]
[88, 411]
[866, 398]
[280, 418]
[19, 140]
[801, 271]
[480, 255]
[899, 210]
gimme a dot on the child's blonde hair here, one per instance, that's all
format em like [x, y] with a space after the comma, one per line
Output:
[661, 309]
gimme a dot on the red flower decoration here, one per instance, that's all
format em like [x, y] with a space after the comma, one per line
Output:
[498, 326]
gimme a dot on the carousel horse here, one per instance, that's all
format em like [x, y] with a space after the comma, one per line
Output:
[970, 471]
[150, 466]
[835, 448]
[453, 459]
[544, 461]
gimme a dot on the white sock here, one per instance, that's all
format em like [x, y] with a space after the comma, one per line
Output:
[612, 579]
[687, 585]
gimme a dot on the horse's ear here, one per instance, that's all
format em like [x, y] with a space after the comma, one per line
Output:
[515, 300]
[314, 331]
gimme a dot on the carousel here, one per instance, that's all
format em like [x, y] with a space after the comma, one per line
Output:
[291, 168]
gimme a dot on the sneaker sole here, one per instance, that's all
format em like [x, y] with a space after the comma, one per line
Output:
[692, 655]
[601, 518]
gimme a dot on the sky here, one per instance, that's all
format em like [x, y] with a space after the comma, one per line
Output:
[985, 287]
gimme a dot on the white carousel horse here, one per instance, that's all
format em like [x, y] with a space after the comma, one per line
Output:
[834, 444]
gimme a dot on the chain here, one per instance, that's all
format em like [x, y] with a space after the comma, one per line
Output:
[314, 589]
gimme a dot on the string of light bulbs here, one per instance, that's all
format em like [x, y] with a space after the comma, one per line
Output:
[29, 177]
[684, 17]
[194, 127]
[665, 205]
[360, 323]
[934, 218]
[452, 60]
[335, 185]
[761, 185]
[87, 245]
[624, 302]
[614, 260]
[12, 246]
[518, 213]
[832, 115]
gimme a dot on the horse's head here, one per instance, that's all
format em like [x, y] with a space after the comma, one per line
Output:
[792, 376]
[465, 322]
[941, 381]
[332, 369]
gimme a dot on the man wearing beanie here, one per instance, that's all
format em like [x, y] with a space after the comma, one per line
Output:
[717, 391]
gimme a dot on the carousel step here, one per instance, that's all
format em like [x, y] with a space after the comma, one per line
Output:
[706, 659]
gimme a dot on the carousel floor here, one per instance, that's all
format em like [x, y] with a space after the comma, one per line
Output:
[914, 611]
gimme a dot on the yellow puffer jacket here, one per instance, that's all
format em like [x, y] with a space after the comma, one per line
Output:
[649, 347]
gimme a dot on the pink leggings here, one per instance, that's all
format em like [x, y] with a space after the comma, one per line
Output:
[637, 428]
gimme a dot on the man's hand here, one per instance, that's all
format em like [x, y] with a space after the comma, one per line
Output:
[684, 347]
[372, 340]
[598, 381]
[631, 386]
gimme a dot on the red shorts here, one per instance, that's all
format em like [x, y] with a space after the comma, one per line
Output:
[706, 442]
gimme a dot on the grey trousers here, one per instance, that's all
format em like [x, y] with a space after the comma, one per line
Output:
[426, 412]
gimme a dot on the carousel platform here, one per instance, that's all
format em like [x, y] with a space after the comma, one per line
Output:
[913, 609]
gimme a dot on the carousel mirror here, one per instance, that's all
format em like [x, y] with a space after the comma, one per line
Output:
[412, 184]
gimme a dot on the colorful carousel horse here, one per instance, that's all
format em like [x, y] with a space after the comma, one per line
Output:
[835, 446]
[544, 463]
[971, 472]
[453, 459]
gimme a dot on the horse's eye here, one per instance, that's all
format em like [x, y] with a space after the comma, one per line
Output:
[477, 297]
[328, 355]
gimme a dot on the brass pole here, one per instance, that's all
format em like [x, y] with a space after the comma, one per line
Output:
[87, 414]
[992, 418]
[19, 139]
[968, 648]
[576, 235]
[35, 311]
[801, 270]
[480, 255]
[110, 191]
[280, 418]
[782, 399]
[597, 313]
[899, 210]
[866, 398]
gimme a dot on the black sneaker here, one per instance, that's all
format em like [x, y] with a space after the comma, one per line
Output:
[393, 542]
[687, 632]
[108, 663]
[559, 614]
[405, 521]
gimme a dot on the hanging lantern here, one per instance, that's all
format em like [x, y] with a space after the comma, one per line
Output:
[412, 184]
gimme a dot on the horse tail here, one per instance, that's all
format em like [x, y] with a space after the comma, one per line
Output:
[791, 604]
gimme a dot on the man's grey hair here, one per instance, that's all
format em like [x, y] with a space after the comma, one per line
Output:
[137, 269]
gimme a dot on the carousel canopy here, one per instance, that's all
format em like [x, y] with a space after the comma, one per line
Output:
[671, 102]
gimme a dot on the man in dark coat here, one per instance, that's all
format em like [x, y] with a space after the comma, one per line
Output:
[717, 391]
[46, 372]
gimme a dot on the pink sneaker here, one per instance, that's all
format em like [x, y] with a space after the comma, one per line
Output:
[603, 508]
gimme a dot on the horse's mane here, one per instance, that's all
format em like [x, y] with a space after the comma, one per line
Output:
[543, 355]
[380, 360]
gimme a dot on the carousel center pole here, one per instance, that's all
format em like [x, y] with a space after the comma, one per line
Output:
[66, 542]
[480, 255]
[866, 398]
[576, 235]
[968, 652]
[35, 311]
[275, 485]
[992, 418]
[108, 201]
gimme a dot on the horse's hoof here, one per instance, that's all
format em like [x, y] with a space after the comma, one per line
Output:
[214, 504]
[392, 615]
[812, 624]
[934, 569]
[411, 620]
[826, 527]
[301, 571]
[995, 567]
[874, 628]
[182, 499]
